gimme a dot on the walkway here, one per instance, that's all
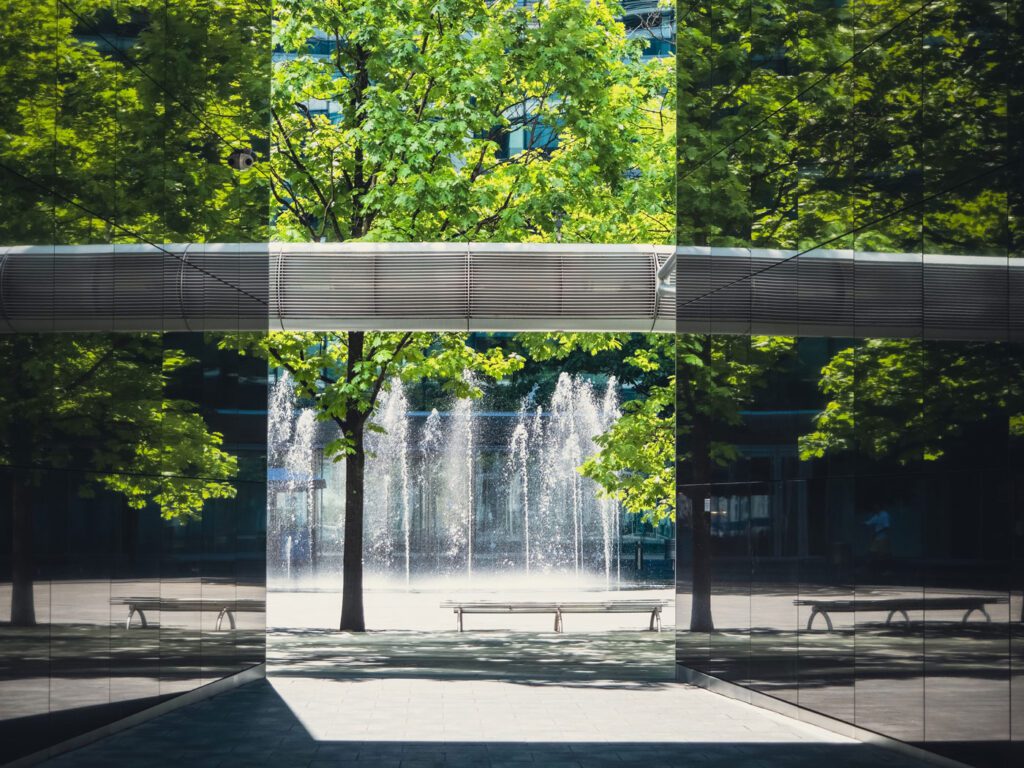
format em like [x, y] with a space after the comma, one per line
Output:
[476, 699]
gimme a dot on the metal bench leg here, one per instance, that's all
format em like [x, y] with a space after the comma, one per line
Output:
[458, 613]
[655, 625]
[893, 612]
[220, 617]
[132, 610]
[558, 621]
[967, 615]
[815, 611]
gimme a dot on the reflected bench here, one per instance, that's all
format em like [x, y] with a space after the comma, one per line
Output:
[900, 605]
[652, 607]
[225, 608]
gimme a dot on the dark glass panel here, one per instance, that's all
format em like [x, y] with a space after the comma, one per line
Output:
[775, 511]
[967, 654]
[729, 643]
[889, 647]
[692, 645]
[24, 613]
[728, 516]
[826, 662]
[1016, 594]
[79, 526]
[135, 650]
[967, 667]
[251, 570]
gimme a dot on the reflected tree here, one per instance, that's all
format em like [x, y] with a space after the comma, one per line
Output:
[717, 376]
[909, 399]
[116, 120]
[876, 126]
[96, 404]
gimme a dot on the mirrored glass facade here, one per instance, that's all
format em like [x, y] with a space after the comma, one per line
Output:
[851, 506]
[132, 465]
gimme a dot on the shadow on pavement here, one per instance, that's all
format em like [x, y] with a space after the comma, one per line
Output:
[253, 726]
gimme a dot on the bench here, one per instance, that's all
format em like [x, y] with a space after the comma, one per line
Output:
[653, 607]
[225, 608]
[900, 605]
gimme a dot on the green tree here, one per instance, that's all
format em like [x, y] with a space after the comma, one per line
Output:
[343, 373]
[636, 460]
[464, 120]
[469, 120]
[97, 403]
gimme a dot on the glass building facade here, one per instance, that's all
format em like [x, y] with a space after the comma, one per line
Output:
[852, 506]
[132, 465]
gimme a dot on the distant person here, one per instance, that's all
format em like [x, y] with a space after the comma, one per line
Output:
[879, 524]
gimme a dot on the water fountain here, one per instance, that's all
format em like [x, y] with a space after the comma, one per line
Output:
[452, 493]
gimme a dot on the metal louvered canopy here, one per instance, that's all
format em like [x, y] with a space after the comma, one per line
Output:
[342, 286]
[853, 294]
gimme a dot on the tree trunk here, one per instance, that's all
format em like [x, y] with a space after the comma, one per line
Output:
[352, 563]
[353, 426]
[23, 608]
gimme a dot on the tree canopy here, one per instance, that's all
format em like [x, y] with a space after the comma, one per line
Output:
[807, 124]
[117, 119]
[469, 120]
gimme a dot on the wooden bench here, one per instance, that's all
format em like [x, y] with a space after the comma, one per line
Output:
[225, 608]
[900, 605]
[558, 608]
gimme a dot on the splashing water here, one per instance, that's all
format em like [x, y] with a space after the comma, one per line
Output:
[451, 492]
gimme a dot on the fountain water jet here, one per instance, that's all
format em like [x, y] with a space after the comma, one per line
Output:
[453, 492]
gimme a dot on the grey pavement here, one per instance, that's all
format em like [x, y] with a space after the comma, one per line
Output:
[489, 699]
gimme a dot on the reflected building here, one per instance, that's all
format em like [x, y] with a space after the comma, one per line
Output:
[849, 240]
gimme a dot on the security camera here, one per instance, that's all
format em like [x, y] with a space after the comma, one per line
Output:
[241, 159]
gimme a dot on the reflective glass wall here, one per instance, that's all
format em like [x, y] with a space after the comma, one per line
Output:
[132, 466]
[851, 504]
[864, 540]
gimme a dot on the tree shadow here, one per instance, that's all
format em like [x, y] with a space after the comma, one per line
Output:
[626, 659]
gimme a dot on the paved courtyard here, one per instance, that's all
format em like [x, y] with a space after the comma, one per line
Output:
[287, 721]
[489, 697]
